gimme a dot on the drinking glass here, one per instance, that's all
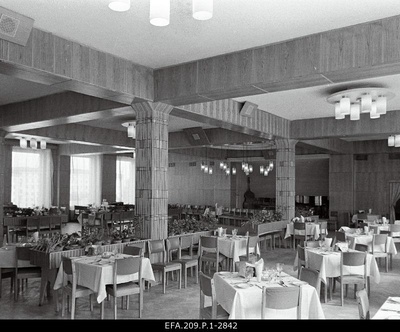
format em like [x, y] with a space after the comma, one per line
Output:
[279, 269]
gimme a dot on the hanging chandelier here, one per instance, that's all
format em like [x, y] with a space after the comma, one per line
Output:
[206, 166]
[353, 102]
[224, 166]
[160, 10]
[264, 170]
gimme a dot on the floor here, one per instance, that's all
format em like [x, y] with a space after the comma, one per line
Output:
[184, 303]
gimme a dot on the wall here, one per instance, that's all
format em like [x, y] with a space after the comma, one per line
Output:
[189, 185]
[312, 177]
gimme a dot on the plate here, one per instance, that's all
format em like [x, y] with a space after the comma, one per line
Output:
[299, 283]
[243, 285]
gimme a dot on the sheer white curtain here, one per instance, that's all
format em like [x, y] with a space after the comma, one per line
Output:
[125, 186]
[32, 177]
[86, 176]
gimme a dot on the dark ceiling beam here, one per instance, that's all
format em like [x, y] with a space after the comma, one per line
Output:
[330, 145]
[387, 124]
[52, 60]
[225, 114]
[77, 133]
[350, 53]
[216, 136]
[58, 109]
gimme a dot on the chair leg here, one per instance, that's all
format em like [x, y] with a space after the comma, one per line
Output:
[115, 308]
[341, 294]
[164, 281]
[63, 305]
[73, 302]
[102, 310]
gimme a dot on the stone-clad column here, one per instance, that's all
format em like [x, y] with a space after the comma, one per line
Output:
[2, 171]
[286, 177]
[151, 194]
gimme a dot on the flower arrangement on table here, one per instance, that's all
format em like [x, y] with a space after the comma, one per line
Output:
[264, 216]
[191, 225]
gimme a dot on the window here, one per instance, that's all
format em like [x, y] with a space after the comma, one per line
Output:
[125, 186]
[31, 178]
[85, 184]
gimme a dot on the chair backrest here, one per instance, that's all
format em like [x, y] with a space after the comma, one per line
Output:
[394, 230]
[252, 242]
[187, 243]
[363, 303]
[209, 244]
[280, 298]
[69, 275]
[379, 243]
[340, 237]
[127, 266]
[374, 228]
[298, 226]
[311, 276]
[173, 245]
[311, 244]
[157, 247]
[353, 259]
[207, 289]
[133, 250]
[323, 226]
[361, 247]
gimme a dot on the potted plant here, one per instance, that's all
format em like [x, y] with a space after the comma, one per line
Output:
[116, 236]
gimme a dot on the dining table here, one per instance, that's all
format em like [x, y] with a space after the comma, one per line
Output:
[390, 309]
[242, 299]
[314, 228]
[234, 246]
[95, 272]
[327, 261]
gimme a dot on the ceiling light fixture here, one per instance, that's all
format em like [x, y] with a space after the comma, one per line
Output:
[131, 125]
[394, 140]
[202, 9]
[33, 143]
[160, 11]
[120, 5]
[353, 102]
[264, 170]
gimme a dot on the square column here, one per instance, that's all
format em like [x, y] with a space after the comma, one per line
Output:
[286, 177]
[151, 193]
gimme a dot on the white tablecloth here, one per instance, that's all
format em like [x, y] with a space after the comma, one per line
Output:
[314, 230]
[96, 277]
[354, 238]
[246, 303]
[328, 263]
[233, 247]
[389, 310]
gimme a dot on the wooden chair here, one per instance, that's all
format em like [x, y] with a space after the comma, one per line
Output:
[189, 261]
[281, 298]
[301, 232]
[127, 266]
[323, 229]
[301, 259]
[363, 303]
[209, 254]
[379, 248]
[207, 291]
[164, 266]
[339, 237]
[22, 254]
[251, 249]
[133, 250]
[311, 244]
[71, 288]
[312, 277]
[374, 228]
[352, 259]
[4, 274]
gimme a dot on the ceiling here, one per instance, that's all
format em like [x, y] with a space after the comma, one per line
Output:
[236, 25]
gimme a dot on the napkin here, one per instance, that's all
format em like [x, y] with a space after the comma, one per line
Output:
[219, 231]
[327, 242]
[259, 266]
[342, 246]
[344, 229]
[384, 220]
[302, 219]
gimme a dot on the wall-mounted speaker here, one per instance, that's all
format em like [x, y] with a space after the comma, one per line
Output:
[197, 136]
[248, 109]
[14, 27]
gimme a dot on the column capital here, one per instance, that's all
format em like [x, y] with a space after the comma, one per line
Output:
[285, 143]
[148, 109]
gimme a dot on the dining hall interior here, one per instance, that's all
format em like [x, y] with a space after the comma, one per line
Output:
[224, 120]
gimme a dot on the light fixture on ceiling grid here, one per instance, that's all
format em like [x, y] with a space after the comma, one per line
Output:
[33, 143]
[160, 10]
[353, 102]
